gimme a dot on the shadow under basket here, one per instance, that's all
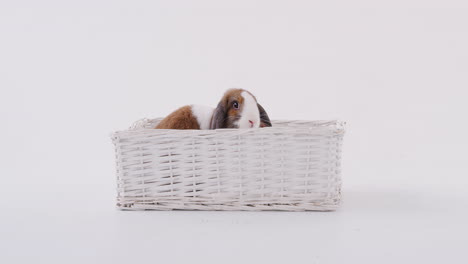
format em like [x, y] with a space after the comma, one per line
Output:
[292, 166]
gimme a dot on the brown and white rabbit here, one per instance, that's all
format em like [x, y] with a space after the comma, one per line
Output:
[237, 109]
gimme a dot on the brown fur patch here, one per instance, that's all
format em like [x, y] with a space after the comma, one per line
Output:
[231, 96]
[181, 118]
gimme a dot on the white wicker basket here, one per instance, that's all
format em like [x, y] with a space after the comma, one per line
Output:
[292, 166]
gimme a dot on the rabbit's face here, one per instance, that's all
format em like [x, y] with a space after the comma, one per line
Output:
[238, 109]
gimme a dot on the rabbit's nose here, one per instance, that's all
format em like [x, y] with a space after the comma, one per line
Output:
[251, 123]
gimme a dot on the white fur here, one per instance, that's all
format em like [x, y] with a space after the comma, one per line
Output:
[203, 115]
[249, 112]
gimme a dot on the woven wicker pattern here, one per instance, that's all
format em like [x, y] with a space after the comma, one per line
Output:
[292, 166]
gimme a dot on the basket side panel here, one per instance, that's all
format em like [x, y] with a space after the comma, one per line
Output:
[266, 169]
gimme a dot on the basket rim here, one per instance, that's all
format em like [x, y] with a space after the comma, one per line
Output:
[137, 128]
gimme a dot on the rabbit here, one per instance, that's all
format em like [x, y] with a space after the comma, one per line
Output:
[237, 108]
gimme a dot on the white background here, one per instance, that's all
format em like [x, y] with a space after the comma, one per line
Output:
[396, 71]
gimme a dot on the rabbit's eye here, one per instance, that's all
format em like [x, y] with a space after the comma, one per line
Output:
[235, 104]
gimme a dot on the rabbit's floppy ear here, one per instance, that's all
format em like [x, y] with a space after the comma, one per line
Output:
[264, 119]
[219, 116]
